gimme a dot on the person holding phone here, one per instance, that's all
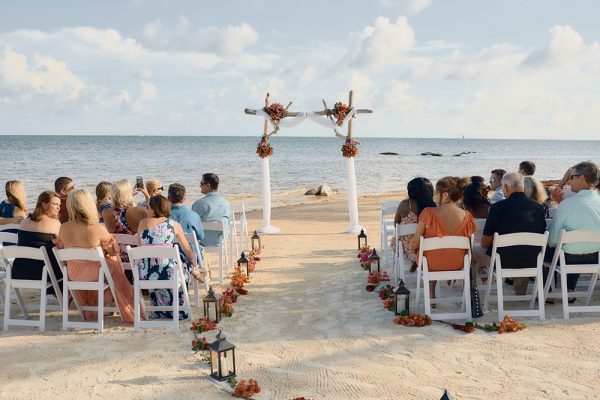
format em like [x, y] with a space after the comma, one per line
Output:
[124, 217]
[152, 188]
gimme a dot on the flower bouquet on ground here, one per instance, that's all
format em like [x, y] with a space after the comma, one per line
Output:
[386, 291]
[363, 256]
[255, 254]
[230, 295]
[390, 303]
[370, 288]
[374, 278]
[385, 277]
[350, 148]
[199, 344]
[245, 389]
[507, 325]
[203, 324]
[238, 280]
[251, 263]
[226, 306]
[413, 319]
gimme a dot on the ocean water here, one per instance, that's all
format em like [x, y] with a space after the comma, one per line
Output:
[297, 162]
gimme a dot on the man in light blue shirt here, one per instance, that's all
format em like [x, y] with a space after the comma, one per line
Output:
[189, 220]
[578, 212]
[212, 207]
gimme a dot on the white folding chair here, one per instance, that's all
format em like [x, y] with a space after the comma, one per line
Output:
[496, 271]
[221, 248]
[446, 242]
[399, 264]
[70, 287]
[176, 282]
[11, 238]
[7, 227]
[31, 253]
[565, 269]
[238, 226]
[387, 226]
[200, 260]
[124, 240]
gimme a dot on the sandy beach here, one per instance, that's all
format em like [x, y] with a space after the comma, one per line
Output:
[308, 328]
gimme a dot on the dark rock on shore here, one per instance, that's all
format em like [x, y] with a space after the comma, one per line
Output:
[429, 153]
[389, 153]
[464, 152]
[322, 190]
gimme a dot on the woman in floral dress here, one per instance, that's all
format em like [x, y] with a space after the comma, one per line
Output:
[159, 229]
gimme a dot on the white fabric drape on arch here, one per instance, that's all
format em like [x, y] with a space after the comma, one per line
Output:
[327, 122]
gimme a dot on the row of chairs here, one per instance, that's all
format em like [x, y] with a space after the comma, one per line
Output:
[497, 273]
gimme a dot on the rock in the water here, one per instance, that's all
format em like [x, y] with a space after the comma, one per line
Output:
[464, 152]
[429, 153]
[325, 190]
[389, 153]
[322, 190]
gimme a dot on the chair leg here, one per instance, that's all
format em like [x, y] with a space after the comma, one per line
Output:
[6, 305]
[65, 305]
[221, 264]
[488, 290]
[565, 294]
[418, 295]
[593, 280]
[499, 282]
[541, 300]
[467, 294]
[21, 302]
[136, 306]
[100, 305]
[426, 295]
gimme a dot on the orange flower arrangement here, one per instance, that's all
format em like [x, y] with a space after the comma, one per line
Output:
[264, 149]
[246, 390]
[413, 319]
[340, 111]
[276, 111]
[374, 278]
[203, 325]
[510, 325]
[239, 279]
[350, 148]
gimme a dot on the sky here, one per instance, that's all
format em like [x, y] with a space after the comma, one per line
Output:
[525, 69]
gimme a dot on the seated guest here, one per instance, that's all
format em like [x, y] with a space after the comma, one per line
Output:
[124, 217]
[534, 190]
[420, 196]
[189, 220]
[151, 188]
[578, 212]
[515, 214]
[13, 210]
[103, 201]
[63, 186]
[496, 185]
[84, 231]
[561, 191]
[160, 229]
[39, 230]
[527, 168]
[475, 198]
[212, 207]
[447, 219]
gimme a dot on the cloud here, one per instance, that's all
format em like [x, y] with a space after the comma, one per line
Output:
[490, 63]
[226, 41]
[565, 48]
[139, 104]
[397, 99]
[45, 76]
[382, 44]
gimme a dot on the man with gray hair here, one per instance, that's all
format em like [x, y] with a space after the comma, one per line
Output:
[581, 211]
[515, 214]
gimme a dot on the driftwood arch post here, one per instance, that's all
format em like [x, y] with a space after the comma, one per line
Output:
[274, 114]
[337, 117]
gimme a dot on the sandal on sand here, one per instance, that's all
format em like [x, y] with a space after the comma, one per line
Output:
[572, 300]
[198, 274]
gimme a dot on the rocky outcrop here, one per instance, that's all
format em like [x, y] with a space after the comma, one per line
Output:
[429, 153]
[322, 190]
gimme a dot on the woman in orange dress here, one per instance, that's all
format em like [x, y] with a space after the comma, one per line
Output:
[84, 231]
[447, 219]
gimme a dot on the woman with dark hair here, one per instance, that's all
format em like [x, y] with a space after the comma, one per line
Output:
[475, 197]
[420, 196]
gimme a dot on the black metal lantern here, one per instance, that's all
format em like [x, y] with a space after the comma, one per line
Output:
[362, 236]
[222, 358]
[374, 259]
[212, 308]
[256, 243]
[402, 297]
[244, 263]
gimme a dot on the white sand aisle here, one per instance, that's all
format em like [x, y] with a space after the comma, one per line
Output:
[308, 328]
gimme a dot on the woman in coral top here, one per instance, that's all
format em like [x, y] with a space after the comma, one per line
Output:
[447, 219]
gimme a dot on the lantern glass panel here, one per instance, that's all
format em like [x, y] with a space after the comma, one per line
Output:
[214, 362]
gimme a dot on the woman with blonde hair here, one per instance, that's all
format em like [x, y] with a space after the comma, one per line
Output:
[152, 188]
[103, 199]
[124, 216]
[39, 230]
[83, 230]
[447, 219]
[13, 210]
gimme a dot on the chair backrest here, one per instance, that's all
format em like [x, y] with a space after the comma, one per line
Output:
[389, 207]
[193, 241]
[445, 242]
[406, 229]
[125, 239]
[138, 253]
[64, 255]
[217, 226]
[33, 253]
[578, 237]
[6, 227]
[7, 237]
[521, 239]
